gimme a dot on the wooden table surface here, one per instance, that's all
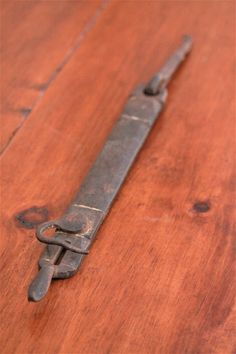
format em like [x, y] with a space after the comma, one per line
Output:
[160, 276]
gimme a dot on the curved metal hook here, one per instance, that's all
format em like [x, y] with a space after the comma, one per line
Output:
[54, 241]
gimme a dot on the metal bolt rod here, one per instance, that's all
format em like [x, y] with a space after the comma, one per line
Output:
[161, 79]
[75, 231]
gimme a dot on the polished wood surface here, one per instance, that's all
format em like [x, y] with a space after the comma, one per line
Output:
[160, 277]
[38, 39]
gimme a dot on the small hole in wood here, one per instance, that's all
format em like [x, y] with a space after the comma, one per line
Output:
[201, 206]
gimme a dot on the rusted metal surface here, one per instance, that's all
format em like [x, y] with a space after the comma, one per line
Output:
[164, 75]
[75, 231]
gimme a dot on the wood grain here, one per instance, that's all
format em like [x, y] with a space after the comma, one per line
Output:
[160, 276]
[38, 38]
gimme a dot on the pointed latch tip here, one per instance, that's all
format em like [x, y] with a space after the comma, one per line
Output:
[40, 285]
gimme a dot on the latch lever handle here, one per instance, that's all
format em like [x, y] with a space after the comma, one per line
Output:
[40, 285]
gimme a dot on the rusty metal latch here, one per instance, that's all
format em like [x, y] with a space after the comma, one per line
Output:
[75, 231]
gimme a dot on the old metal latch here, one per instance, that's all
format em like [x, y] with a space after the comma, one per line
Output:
[76, 230]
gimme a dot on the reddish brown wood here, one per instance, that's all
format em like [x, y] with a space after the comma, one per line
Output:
[160, 277]
[38, 39]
